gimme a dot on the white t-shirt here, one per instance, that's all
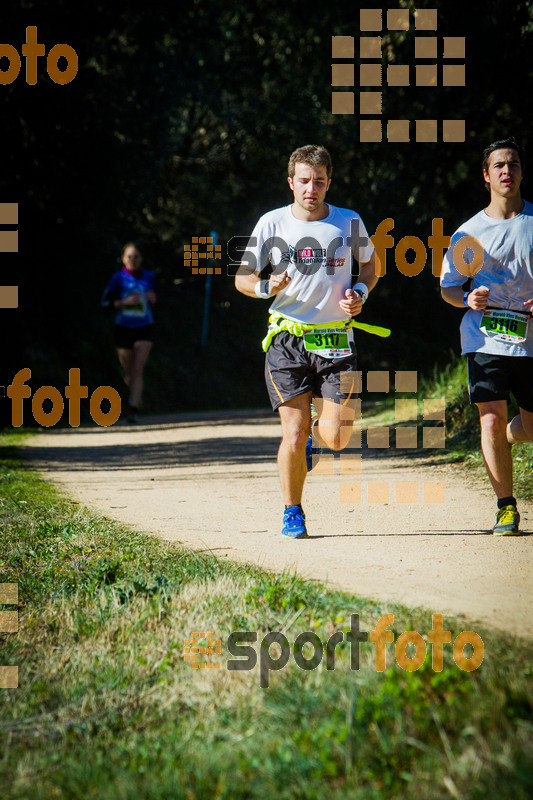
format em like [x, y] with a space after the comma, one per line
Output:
[317, 256]
[507, 271]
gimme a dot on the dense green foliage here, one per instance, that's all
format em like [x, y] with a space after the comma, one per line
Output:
[463, 429]
[108, 708]
[180, 121]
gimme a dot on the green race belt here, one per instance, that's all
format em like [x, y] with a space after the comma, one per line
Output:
[279, 323]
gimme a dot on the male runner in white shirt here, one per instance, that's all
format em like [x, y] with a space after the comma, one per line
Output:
[311, 352]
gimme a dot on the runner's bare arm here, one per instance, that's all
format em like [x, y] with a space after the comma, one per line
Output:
[352, 303]
[368, 272]
[246, 281]
[477, 299]
[130, 300]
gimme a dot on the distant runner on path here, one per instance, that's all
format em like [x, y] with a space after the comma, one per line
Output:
[131, 291]
[497, 330]
[310, 348]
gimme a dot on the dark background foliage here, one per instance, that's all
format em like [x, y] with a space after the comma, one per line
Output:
[180, 121]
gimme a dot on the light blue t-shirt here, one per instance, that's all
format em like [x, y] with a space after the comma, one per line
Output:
[507, 271]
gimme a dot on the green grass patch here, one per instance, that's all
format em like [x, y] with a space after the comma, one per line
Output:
[462, 424]
[108, 708]
[463, 430]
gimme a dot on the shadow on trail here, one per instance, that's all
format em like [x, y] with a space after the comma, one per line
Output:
[98, 453]
[223, 452]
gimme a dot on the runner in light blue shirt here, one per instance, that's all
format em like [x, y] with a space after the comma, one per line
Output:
[497, 330]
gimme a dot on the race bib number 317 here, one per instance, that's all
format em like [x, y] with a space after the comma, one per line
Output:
[329, 342]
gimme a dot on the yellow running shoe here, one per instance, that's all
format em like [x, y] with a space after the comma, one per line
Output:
[507, 520]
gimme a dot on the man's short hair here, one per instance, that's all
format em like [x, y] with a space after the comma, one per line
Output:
[509, 143]
[312, 154]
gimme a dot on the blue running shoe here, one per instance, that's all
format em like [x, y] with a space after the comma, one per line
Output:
[310, 451]
[294, 523]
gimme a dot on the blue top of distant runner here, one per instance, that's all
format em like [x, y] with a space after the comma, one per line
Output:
[507, 271]
[124, 283]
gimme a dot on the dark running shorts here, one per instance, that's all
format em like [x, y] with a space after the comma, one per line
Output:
[126, 337]
[493, 377]
[291, 370]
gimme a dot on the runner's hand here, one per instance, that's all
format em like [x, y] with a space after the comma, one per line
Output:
[352, 303]
[478, 298]
[277, 282]
[131, 300]
[529, 304]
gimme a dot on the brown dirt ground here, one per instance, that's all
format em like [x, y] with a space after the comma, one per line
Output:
[209, 480]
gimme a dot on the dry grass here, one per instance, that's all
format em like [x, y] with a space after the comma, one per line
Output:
[107, 707]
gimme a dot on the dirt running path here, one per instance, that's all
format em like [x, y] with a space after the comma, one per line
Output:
[210, 481]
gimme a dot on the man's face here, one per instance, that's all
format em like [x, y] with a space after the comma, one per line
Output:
[309, 185]
[504, 174]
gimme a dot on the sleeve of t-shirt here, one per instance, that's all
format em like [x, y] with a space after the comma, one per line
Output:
[152, 281]
[362, 247]
[450, 275]
[111, 292]
[256, 256]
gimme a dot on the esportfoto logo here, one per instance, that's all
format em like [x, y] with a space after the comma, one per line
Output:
[377, 80]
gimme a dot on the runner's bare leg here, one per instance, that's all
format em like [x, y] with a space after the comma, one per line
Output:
[141, 351]
[495, 447]
[520, 428]
[335, 422]
[295, 417]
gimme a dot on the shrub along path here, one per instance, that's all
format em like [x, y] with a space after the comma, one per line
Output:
[210, 481]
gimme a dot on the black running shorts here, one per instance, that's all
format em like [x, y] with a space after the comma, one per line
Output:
[125, 338]
[492, 377]
[291, 370]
